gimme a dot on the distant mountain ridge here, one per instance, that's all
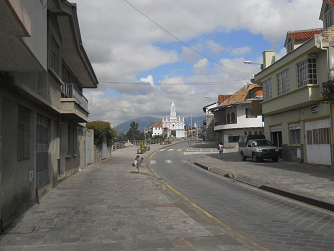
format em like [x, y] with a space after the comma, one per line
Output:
[142, 123]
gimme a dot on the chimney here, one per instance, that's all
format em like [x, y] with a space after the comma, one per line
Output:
[268, 58]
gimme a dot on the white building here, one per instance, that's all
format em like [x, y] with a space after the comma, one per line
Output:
[238, 114]
[175, 126]
[157, 129]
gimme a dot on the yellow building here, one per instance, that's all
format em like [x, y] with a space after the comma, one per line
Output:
[296, 116]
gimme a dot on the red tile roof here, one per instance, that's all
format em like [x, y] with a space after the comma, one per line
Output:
[304, 34]
[331, 1]
[159, 124]
[223, 98]
[240, 95]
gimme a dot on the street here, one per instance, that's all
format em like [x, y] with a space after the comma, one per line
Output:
[272, 221]
[112, 206]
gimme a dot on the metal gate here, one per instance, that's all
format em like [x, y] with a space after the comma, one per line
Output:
[89, 148]
[42, 151]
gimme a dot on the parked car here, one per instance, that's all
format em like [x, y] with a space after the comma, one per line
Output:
[257, 148]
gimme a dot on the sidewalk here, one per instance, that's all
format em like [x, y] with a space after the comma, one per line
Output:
[312, 184]
[110, 206]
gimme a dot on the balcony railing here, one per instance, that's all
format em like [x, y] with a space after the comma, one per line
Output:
[69, 90]
[218, 123]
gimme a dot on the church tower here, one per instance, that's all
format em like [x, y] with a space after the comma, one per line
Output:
[172, 112]
[174, 126]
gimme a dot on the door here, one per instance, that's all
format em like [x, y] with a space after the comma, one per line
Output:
[42, 151]
[318, 141]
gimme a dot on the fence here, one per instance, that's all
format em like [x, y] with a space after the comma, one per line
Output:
[102, 152]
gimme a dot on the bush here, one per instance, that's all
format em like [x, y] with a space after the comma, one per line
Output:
[102, 130]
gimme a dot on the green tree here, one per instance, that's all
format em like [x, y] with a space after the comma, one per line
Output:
[102, 130]
[133, 132]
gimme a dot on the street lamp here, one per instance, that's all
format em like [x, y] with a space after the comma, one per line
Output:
[250, 62]
[145, 132]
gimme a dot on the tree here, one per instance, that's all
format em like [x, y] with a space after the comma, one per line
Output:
[102, 130]
[133, 132]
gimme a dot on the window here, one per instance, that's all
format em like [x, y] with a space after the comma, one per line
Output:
[233, 139]
[249, 113]
[233, 119]
[283, 82]
[319, 136]
[267, 89]
[294, 133]
[290, 44]
[328, 16]
[307, 72]
[228, 119]
[23, 137]
[55, 56]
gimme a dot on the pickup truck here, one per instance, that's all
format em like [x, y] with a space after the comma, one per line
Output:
[259, 149]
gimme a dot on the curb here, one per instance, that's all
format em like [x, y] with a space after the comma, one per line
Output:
[259, 185]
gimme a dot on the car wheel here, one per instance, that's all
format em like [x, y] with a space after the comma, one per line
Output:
[254, 158]
[243, 157]
[275, 159]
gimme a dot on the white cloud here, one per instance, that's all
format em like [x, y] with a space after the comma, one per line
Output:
[121, 44]
[149, 80]
[241, 51]
[201, 66]
[214, 47]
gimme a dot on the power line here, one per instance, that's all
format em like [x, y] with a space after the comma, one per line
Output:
[185, 44]
[185, 83]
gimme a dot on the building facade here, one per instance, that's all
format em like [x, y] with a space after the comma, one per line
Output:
[238, 114]
[209, 124]
[43, 70]
[174, 125]
[295, 114]
[157, 129]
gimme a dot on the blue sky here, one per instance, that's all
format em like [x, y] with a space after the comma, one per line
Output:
[129, 42]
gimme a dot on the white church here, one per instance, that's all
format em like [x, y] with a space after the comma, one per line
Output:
[174, 126]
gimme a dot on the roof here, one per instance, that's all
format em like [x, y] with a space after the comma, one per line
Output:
[159, 124]
[223, 98]
[304, 34]
[240, 95]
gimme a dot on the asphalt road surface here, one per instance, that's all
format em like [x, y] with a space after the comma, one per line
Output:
[272, 221]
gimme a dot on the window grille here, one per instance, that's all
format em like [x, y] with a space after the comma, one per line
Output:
[233, 118]
[42, 150]
[267, 89]
[307, 72]
[55, 56]
[290, 45]
[283, 82]
[294, 133]
[23, 139]
[328, 16]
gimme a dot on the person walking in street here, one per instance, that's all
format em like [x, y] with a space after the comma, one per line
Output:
[221, 149]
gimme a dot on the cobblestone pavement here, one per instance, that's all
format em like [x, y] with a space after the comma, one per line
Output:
[313, 184]
[110, 206]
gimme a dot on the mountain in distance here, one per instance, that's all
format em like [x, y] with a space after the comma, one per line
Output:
[142, 123]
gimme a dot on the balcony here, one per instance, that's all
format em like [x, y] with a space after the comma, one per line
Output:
[299, 98]
[74, 104]
[71, 91]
